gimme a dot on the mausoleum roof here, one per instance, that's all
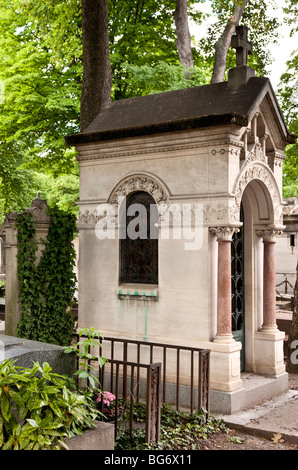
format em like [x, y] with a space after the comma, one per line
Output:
[190, 108]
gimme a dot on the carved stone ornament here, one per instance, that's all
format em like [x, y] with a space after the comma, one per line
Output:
[269, 235]
[224, 233]
[260, 172]
[255, 153]
[139, 183]
[123, 189]
[39, 211]
[93, 217]
[215, 211]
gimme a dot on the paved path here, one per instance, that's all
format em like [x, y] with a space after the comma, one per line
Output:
[279, 415]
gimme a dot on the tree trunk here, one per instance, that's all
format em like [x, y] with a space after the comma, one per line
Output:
[223, 44]
[97, 75]
[183, 42]
[292, 359]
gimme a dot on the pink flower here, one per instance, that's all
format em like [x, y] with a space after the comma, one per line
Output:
[108, 398]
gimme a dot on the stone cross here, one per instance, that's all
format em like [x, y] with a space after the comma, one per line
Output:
[242, 45]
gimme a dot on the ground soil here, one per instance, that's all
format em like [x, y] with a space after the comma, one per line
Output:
[239, 440]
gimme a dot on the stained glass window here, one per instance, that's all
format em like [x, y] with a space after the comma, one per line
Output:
[139, 239]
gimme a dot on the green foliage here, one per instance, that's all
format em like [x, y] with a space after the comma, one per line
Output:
[61, 191]
[38, 410]
[142, 37]
[288, 96]
[145, 80]
[179, 430]
[41, 74]
[2, 288]
[47, 288]
[83, 350]
[263, 32]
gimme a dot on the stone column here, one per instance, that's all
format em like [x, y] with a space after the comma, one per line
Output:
[269, 284]
[269, 340]
[224, 289]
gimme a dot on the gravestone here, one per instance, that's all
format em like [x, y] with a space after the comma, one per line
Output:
[25, 352]
[211, 158]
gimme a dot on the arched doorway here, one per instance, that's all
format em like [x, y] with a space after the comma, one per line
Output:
[257, 212]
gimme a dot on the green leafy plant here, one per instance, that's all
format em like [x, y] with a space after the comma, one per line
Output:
[47, 288]
[178, 430]
[83, 350]
[2, 288]
[236, 439]
[38, 409]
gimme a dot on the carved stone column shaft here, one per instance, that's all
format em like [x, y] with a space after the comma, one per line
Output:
[269, 282]
[224, 299]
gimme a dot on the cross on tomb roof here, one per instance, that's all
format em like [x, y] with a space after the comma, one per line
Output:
[242, 45]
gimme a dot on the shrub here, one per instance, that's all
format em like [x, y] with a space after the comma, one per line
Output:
[38, 410]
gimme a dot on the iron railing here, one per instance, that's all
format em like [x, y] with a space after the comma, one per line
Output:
[157, 373]
[152, 393]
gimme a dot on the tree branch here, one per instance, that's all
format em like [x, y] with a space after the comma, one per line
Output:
[183, 42]
[223, 44]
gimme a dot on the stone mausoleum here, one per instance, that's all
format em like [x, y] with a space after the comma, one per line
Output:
[208, 162]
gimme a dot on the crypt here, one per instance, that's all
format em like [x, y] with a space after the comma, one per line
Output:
[207, 161]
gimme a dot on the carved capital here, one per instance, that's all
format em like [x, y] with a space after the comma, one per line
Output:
[224, 233]
[269, 235]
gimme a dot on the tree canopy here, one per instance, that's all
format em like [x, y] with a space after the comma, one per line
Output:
[41, 74]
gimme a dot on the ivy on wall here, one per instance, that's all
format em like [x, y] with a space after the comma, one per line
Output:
[47, 287]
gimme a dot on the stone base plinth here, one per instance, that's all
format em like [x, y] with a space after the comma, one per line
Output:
[255, 390]
[269, 352]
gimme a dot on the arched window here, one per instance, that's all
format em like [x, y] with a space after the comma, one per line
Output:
[139, 239]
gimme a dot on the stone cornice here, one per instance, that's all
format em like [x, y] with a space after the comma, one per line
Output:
[226, 142]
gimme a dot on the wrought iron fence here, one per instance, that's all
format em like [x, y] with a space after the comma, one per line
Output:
[185, 370]
[152, 394]
[156, 373]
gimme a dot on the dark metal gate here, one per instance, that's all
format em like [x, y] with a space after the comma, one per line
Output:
[238, 288]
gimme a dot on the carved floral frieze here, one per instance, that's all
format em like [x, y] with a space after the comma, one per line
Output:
[223, 211]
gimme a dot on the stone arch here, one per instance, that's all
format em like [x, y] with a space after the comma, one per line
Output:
[260, 181]
[139, 182]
